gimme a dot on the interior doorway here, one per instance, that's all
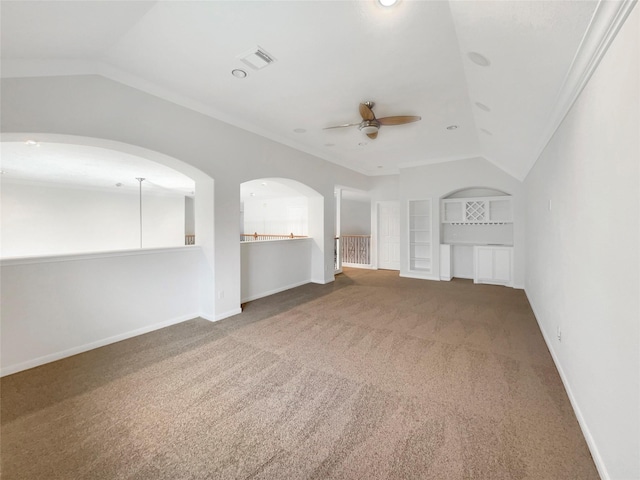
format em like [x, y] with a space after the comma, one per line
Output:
[389, 235]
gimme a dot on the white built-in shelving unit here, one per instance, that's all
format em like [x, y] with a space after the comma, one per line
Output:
[483, 210]
[420, 236]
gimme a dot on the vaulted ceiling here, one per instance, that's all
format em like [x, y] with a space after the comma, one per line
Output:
[493, 69]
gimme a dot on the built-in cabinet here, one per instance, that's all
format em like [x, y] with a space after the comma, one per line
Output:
[493, 264]
[420, 236]
[483, 210]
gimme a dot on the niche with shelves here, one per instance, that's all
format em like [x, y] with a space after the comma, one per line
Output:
[420, 236]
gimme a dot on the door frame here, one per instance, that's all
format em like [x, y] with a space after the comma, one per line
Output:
[375, 240]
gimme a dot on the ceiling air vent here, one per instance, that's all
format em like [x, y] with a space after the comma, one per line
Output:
[257, 58]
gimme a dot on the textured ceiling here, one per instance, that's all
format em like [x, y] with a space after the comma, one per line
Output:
[411, 59]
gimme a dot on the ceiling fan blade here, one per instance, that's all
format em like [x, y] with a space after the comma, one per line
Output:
[342, 126]
[399, 120]
[366, 113]
[373, 135]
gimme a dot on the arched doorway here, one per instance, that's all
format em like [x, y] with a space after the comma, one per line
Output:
[281, 233]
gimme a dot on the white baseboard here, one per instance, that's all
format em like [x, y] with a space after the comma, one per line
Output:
[359, 265]
[275, 290]
[222, 316]
[420, 277]
[52, 357]
[595, 453]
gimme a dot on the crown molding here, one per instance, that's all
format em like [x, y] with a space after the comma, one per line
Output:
[26, 68]
[607, 19]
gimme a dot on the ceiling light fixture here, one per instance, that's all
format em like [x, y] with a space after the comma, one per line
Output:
[238, 73]
[387, 3]
[369, 126]
[452, 127]
[479, 59]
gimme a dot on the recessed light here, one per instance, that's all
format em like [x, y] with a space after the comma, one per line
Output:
[299, 130]
[387, 3]
[479, 59]
[452, 127]
[32, 143]
[482, 106]
[485, 131]
[238, 73]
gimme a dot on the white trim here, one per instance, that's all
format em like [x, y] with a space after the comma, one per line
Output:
[359, 265]
[593, 448]
[52, 357]
[420, 277]
[72, 257]
[605, 23]
[21, 68]
[322, 281]
[275, 290]
[222, 316]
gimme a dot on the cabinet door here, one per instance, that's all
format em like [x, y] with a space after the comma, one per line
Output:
[502, 266]
[493, 265]
[484, 265]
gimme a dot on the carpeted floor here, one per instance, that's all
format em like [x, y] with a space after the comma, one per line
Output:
[372, 377]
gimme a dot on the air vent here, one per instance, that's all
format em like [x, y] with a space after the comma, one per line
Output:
[257, 58]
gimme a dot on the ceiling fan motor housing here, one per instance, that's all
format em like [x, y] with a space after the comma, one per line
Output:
[369, 126]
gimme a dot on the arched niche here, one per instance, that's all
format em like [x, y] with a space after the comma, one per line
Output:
[475, 192]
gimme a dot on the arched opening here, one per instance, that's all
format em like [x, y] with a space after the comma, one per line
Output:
[281, 233]
[62, 198]
[62, 304]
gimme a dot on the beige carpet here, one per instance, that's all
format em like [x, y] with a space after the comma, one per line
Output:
[372, 377]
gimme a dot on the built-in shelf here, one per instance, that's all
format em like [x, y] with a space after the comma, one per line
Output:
[420, 239]
[477, 211]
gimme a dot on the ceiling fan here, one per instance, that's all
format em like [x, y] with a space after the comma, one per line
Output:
[370, 124]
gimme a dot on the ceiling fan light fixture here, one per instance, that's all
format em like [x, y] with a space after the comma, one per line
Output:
[387, 3]
[369, 126]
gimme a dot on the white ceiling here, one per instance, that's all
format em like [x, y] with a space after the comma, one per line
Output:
[88, 167]
[411, 59]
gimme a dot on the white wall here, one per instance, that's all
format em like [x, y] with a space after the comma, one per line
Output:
[583, 247]
[441, 179]
[273, 266]
[53, 307]
[355, 217]
[278, 216]
[51, 219]
[93, 106]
